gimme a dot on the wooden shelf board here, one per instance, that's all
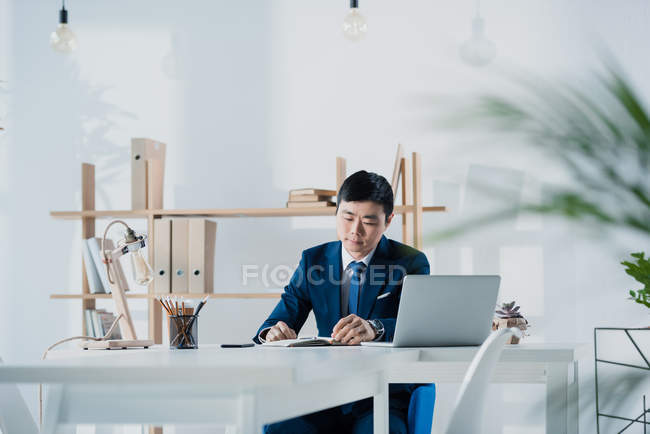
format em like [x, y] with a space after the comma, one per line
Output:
[248, 212]
[438, 208]
[73, 215]
[233, 212]
[185, 295]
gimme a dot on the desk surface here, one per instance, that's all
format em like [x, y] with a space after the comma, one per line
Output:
[257, 365]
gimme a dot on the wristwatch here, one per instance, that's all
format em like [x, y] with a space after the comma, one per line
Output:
[378, 327]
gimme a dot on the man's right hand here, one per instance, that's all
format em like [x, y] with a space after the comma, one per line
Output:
[279, 332]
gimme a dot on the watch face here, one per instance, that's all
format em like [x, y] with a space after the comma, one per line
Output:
[377, 325]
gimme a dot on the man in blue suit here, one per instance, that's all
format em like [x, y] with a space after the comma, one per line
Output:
[354, 287]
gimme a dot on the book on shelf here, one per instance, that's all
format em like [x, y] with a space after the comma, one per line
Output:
[314, 191]
[90, 329]
[92, 275]
[310, 198]
[106, 320]
[99, 321]
[97, 325]
[319, 204]
[304, 342]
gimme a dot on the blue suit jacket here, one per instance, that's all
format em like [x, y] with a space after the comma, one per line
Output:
[316, 285]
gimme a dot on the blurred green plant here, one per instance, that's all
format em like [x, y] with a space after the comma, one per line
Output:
[601, 135]
[640, 271]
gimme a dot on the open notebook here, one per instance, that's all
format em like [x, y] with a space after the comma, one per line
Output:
[304, 342]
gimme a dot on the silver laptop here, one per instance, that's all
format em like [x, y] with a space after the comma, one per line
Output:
[444, 311]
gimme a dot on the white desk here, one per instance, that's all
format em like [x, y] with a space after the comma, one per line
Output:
[254, 386]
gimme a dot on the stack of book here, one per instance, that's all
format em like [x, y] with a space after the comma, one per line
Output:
[311, 198]
[99, 321]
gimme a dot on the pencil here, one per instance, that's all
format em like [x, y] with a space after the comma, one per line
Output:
[170, 304]
[167, 305]
[162, 304]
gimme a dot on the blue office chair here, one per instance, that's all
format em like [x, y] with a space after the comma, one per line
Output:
[420, 414]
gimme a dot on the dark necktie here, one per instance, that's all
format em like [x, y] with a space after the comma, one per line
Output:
[356, 280]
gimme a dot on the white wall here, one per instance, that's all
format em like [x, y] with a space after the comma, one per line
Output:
[257, 97]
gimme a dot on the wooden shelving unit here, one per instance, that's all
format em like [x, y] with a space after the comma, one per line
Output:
[411, 211]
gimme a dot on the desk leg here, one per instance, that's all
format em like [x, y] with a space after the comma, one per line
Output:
[573, 410]
[53, 402]
[247, 421]
[557, 398]
[52, 408]
[380, 408]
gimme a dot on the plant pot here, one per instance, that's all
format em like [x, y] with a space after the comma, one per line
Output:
[502, 323]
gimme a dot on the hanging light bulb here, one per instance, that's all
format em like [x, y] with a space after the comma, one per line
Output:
[63, 39]
[478, 50]
[354, 24]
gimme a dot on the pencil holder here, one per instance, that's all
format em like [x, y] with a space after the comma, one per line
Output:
[184, 331]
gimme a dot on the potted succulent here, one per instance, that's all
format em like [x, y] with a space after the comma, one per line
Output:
[508, 315]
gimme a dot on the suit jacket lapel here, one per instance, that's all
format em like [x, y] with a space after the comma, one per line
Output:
[376, 276]
[332, 287]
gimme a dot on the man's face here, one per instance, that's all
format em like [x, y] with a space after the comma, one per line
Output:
[360, 226]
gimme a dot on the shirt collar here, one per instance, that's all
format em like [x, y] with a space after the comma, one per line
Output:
[346, 258]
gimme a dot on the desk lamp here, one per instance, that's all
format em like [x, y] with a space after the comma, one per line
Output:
[142, 274]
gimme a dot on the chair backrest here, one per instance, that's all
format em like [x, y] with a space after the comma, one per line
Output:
[15, 417]
[467, 416]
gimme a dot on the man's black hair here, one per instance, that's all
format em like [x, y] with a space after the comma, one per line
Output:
[362, 186]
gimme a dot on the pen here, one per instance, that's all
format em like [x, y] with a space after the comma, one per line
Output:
[198, 308]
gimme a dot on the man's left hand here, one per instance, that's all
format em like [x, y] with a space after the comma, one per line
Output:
[352, 330]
